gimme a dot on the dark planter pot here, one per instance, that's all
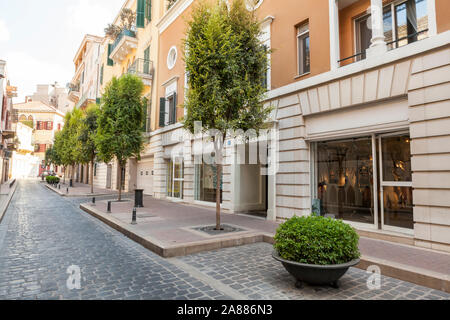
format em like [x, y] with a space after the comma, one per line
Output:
[315, 274]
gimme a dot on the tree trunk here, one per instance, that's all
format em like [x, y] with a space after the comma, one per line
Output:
[91, 175]
[120, 181]
[64, 179]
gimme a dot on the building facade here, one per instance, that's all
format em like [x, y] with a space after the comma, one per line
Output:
[7, 143]
[360, 92]
[45, 121]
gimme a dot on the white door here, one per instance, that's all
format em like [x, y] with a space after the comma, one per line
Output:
[145, 176]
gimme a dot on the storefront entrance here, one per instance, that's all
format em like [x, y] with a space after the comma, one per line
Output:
[365, 180]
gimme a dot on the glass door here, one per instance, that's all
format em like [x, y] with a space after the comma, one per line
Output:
[175, 177]
[396, 198]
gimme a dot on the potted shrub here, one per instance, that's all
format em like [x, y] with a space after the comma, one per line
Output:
[316, 250]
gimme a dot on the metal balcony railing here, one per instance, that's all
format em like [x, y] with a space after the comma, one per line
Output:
[125, 32]
[391, 46]
[141, 67]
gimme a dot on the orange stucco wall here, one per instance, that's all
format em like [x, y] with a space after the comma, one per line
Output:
[287, 15]
[442, 15]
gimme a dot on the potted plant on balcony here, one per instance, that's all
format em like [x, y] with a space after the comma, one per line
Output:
[316, 250]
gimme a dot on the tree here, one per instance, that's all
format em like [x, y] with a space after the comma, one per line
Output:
[120, 121]
[56, 155]
[86, 138]
[227, 65]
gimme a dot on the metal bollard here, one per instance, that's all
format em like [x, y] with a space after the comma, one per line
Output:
[133, 219]
[93, 201]
[109, 207]
[67, 190]
[59, 186]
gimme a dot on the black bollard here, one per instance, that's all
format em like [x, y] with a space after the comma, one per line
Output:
[67, 190]
[93, 201]
[59, 186]
[133, 219]
[109, 207]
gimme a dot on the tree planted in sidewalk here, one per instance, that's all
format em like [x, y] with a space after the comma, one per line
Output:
[227, 65]
[86, 138]
[120, 120]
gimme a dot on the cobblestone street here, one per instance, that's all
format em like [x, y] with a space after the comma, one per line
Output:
[43, 234]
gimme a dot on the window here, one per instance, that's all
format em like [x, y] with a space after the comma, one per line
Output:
[411, 22]
[303, 49]
[168, 110]
[140, 14]
[172, 57]
[205, 183]
[175, 178]
[404, 22]
[351, 185]
[253, 4]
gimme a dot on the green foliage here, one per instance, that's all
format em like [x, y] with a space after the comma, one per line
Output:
[317, 240]
[87, 133]
[226, 64]
[52, 180]
[120, 120]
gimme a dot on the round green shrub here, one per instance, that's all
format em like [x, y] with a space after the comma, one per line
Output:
[317, 240]
[52, 179]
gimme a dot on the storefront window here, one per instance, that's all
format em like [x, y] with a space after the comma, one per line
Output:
[345, 179]
[396, 181]
[206, 179]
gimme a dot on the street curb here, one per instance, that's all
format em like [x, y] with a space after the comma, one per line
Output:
[407, 273]
[86, 195]
[5, 206]
[391, 269]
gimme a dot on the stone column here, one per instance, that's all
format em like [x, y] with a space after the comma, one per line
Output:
[378, 45]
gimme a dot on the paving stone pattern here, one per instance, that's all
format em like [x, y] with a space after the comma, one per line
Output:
[43, 234]
[253, 272]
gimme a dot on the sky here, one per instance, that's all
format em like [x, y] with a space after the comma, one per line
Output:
[39, 39]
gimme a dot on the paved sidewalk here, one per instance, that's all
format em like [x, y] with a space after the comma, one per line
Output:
[79, 190]
[168, 229]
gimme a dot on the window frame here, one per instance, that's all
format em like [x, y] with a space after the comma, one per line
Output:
[300, 37]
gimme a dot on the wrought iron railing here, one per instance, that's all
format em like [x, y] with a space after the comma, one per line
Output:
[141, 67]
[125, 32]
[362, 55]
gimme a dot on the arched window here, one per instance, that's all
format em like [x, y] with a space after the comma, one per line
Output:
[22, 118]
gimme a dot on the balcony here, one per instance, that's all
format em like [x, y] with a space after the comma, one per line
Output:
[143, 69]
[126, 41]
[74, 92]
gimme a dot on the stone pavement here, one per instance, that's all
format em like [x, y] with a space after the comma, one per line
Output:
[251, 271]
[44, 234]
[168, 228]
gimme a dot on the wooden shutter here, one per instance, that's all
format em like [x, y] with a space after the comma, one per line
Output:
[101, 74]
[140, 19]
[162, 112]
[173, 110]
[148, 10]
[147, 61]
[110, 61]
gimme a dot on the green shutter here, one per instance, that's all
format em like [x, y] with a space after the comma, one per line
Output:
[101, 74]
[140, 19]
[144, 126]
[98, 100]
[110, 61]
[162, 112]
[147, 61]
[148, 10]
[173, 110]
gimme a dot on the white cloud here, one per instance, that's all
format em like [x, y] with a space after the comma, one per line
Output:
[4, 32]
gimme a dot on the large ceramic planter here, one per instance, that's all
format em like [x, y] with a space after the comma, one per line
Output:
[315, 274]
